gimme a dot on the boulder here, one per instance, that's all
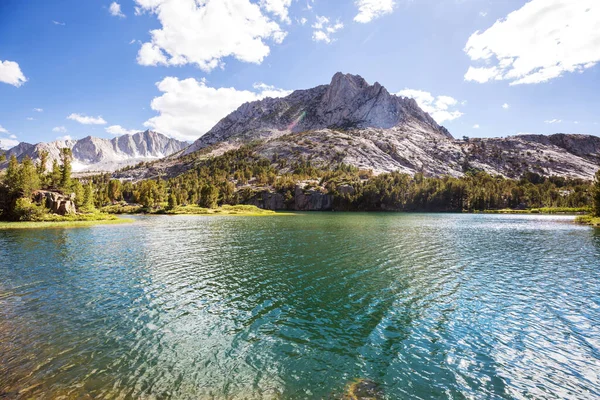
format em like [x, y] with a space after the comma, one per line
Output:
[55, 202]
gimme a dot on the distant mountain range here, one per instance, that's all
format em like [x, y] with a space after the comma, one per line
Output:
[92, 154]
[347, 121]
[364, 125]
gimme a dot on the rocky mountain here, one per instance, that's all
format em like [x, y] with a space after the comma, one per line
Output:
[349, 121]
[92, 154]
[347, 103]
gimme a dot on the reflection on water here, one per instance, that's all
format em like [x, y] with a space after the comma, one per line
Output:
[419, 306]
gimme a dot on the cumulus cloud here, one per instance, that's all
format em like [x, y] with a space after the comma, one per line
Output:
[204, 33]
[83, 119]
[58, 23]
[323, 29]
[441, 108]
[6, 144]
[115, 10]
[11, 73]
[368, 10]
[278, 7]
[2, 129]
[538, 42]
[30, 118]
[63, 138]
[188, 108]
[476, 126]
[38, 109]
[505, 106]
[119, 130]
[59, 129]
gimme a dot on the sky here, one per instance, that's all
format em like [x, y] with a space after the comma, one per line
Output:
[482, 68]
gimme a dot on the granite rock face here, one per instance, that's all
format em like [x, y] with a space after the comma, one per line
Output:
[348, 102]
[55, 202]
[95, 154]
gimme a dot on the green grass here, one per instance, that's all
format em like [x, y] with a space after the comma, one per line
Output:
[60, 224]
[543, 210]
[588, 220]
[122, 209]
[239, 210]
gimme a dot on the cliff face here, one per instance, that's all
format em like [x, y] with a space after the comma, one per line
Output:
[95, 154]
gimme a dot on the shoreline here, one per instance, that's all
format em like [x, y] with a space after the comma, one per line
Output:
[60, 224]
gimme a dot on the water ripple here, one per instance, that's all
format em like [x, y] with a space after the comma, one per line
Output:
[426, 306]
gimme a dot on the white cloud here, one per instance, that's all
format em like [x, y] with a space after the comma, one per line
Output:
[323, 29]
[476, 126]
[505, 106]
[2, 129]
[83, 119]
[188, 108]
[60, 129]
[38, 109]
[538, 42]
[303, 21]
[278, 7]
[58, 23]
[12, 136]
[30, 118]
[368, 10]
[115, 10]
[483, 13]
[204, 33]
[119, 130]
[6, 144]
[66, 137]
[553, 121]
[441, 108]
[10, 73]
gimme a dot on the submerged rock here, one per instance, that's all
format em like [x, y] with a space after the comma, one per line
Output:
[362, 389]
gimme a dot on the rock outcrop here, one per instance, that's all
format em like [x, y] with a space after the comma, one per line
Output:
[303, 200]
[95, 154]
[55, 202]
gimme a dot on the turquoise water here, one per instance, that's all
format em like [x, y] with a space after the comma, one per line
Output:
[424, 305]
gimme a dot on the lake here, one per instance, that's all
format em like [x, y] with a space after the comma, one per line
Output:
[292, 307]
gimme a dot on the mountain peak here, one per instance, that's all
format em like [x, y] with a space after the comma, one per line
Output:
[96, 154]
[348, 102]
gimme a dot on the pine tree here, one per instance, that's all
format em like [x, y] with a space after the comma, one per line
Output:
[55, 175]
[65, 171]
[596, 195]
[41, 167]
[88, 198]
[172, 201]
[209, 196]
[29, 180]
[114, 190]
[79, 191]
[12, 174]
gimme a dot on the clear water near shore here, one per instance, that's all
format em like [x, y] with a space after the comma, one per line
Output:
[426, 305]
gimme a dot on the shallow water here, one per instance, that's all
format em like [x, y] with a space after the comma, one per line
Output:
[425, 305]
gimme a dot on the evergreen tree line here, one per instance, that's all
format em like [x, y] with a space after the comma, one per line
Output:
[239, 176]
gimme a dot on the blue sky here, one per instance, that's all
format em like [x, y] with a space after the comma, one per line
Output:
[481, 68]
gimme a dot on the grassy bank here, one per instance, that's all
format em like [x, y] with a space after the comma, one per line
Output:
[65, 223]
[588, 220]
[543, 210]
[239, 210]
